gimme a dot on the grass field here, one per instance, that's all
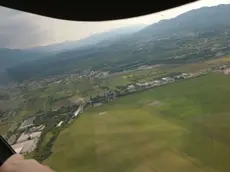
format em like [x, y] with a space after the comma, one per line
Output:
[134, 76]
[181, 127]
[195, 67]
[219, 60]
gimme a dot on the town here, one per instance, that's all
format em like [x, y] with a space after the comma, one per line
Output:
[26, 138]
[132, 88]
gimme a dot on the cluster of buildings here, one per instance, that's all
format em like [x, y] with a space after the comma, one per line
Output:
[98, 74]
[98, 100]
[27, 141]
[162, 81]
[107, 96]
[110, 95]
[223, 68]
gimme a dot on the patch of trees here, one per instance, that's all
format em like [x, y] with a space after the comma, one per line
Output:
[43, 152]
[50, 120]
[52, 99]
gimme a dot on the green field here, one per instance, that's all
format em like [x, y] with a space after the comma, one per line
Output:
[134, 76]
[219, 60]
[181, 127]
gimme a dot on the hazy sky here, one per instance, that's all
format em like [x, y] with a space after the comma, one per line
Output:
[23, 30]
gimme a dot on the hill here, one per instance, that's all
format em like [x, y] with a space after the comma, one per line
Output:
[12, 57]
[190, 37]
[195, 21]
[108, 36]
[34, 56]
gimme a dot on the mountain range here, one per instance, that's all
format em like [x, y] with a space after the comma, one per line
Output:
[12, 57]
[109, 36]
[162, 42]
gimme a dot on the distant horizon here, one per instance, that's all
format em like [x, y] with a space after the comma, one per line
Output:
[20, 30]
[113, 29]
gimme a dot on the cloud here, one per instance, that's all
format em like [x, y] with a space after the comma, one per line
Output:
[17, 30]
[22, 30]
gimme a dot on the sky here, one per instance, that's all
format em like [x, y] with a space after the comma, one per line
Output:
[24, 30]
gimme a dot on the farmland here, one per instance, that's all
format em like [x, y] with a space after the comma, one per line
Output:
[179, 127]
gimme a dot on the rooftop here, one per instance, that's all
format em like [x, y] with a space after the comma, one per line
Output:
[25, 147]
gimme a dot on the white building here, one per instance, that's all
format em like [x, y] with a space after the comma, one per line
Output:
[157, 81]
[227, 71]
[25, 147]
[168, 79]
[131, 88]
[146, 84]
[184, 75]
[59, 124]
[77, 112]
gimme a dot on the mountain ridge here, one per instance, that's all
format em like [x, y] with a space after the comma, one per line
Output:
[162, 42]
[90, 40]
[11, 57]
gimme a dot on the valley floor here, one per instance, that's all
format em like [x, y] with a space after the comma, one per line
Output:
[178, 127]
